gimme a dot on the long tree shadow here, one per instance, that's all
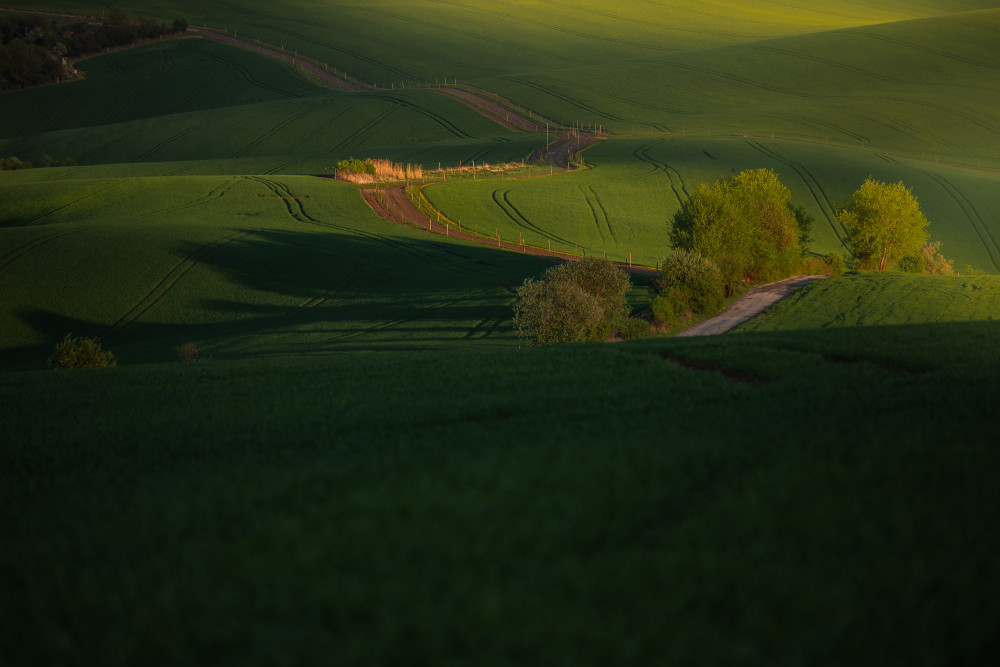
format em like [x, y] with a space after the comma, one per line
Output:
[273, 292]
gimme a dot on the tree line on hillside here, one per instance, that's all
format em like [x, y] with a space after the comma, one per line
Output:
[33, 49]
[741, 231]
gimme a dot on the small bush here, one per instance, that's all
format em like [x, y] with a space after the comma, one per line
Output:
[555, 311]
[911, 264]
[632, 328]
[575, 301]
[80, 353]
[935, 263]
[835, 263]
[691, 281]
[356, 166]
[190, 353]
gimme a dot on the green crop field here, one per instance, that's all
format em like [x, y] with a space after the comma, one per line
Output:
[371, 468]
[244, 265]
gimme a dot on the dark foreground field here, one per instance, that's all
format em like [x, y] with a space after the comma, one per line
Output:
[814, 497]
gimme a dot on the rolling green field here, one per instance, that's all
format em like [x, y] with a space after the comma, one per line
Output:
[373, 469]
[242, 266]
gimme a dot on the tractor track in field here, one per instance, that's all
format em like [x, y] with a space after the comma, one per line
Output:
[167, 283]
[392, 204]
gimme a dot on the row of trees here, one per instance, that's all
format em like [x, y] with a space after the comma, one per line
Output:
[740, 231]
[32, 48]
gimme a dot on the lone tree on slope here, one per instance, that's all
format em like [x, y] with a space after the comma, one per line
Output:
[884, 224]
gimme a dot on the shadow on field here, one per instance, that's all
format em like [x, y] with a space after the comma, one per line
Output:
[274, 292]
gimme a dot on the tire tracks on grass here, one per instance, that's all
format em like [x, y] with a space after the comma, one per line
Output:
[599, 213]
[815, 189]
[169, 140]
[16, 253]
[362, 131]
[167, 283]
[277, 128]
[674, 177]
[511, 211]
[440, 120]
[59, 209]
[562, 96]
[246, 74]
[972, 215]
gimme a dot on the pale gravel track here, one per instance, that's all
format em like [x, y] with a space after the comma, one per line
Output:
[754, 303]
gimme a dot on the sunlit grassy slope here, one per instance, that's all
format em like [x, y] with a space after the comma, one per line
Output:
[900, 74]
[884, 300]
[625, 204]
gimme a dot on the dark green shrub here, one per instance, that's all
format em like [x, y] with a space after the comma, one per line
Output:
[555, 311]
[911, 264]
[632, 328]
[834, 263]
[668, 311]
[80, 353]
[575, 301]
[691, 279]
[355, 166]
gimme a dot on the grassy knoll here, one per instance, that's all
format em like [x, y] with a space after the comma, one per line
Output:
[626, 203]
[590, 504]
[868, 300]
[150, 263]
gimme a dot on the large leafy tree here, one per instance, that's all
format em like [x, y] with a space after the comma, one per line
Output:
[883, 223]
[746, 224]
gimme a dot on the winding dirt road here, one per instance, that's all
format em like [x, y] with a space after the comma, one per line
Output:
[754, 303]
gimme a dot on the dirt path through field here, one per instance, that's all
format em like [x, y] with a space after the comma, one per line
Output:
[755, 302]
[297, 59]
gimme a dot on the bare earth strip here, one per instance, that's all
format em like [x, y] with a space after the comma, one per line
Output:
[751, 305]
[297, 60]
[491, 109]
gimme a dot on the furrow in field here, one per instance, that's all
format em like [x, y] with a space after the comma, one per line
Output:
[511, 211]
[826, 207]
[192, 94]
[362, 131]
[109, 144]
[277, 128]
[905, 128]
[677, 185]
[986, 123]
[737, 79]
[918, 47]
[565, 98]
[215, 193]
[415, 315]
[825, 61]
[248, 75]
[824, 126]
[16, 253]
[168, 140]
[597, 219]
[167, 283]
[972, 215]
[62, 208]
[440, 120]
